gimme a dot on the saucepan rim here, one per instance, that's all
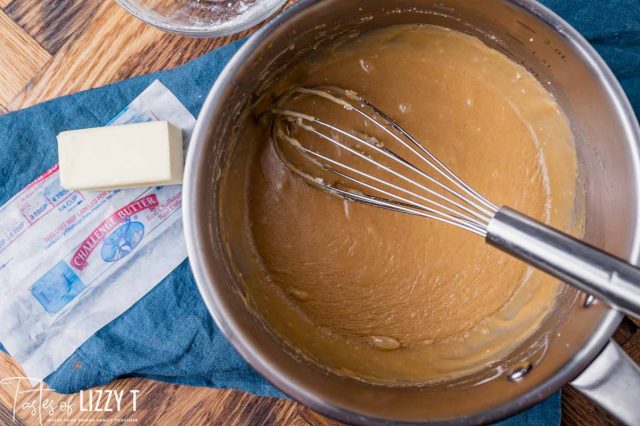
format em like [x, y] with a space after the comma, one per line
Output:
[193, 223]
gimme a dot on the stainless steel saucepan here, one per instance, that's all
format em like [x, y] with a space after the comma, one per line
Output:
[572, 346]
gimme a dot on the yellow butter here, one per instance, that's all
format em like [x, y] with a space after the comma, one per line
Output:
[116, 157]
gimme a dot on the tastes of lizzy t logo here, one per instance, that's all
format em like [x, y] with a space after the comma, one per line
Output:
[91, 406]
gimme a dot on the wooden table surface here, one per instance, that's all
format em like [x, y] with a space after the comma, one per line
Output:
[50, 48]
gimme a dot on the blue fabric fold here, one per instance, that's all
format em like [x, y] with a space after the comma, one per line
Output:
[169, 335]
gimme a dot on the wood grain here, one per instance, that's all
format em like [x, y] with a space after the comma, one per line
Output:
[632, 346]
[158, 404]
[133, 48]
[625, 332]
[20, 60]
[52, 23]
[7, 418]
[578, 410]
[50, 48]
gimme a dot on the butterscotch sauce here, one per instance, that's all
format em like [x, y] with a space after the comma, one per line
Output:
[384, 296]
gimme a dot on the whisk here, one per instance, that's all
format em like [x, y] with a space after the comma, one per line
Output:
[418, 183]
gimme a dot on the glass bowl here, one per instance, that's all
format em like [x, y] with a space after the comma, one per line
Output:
[202, 18]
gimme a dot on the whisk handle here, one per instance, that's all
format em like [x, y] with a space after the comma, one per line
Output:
[609, 278]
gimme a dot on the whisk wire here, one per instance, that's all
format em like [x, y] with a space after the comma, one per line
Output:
[467, 209]
[407, 205]
[483, 219]
[443, 169]
[589, 269]
[424, 154]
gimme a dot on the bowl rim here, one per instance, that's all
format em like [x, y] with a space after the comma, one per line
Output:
[193, 223]
[200, 31]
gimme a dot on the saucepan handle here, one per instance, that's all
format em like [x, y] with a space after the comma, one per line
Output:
[585, 267]
[613, 381]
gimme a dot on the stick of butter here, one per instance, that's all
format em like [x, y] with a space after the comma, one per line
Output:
[115, 157]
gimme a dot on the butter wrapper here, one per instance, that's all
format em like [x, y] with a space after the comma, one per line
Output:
[72, 261]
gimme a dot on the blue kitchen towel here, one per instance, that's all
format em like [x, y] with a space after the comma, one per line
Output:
[168, 335]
